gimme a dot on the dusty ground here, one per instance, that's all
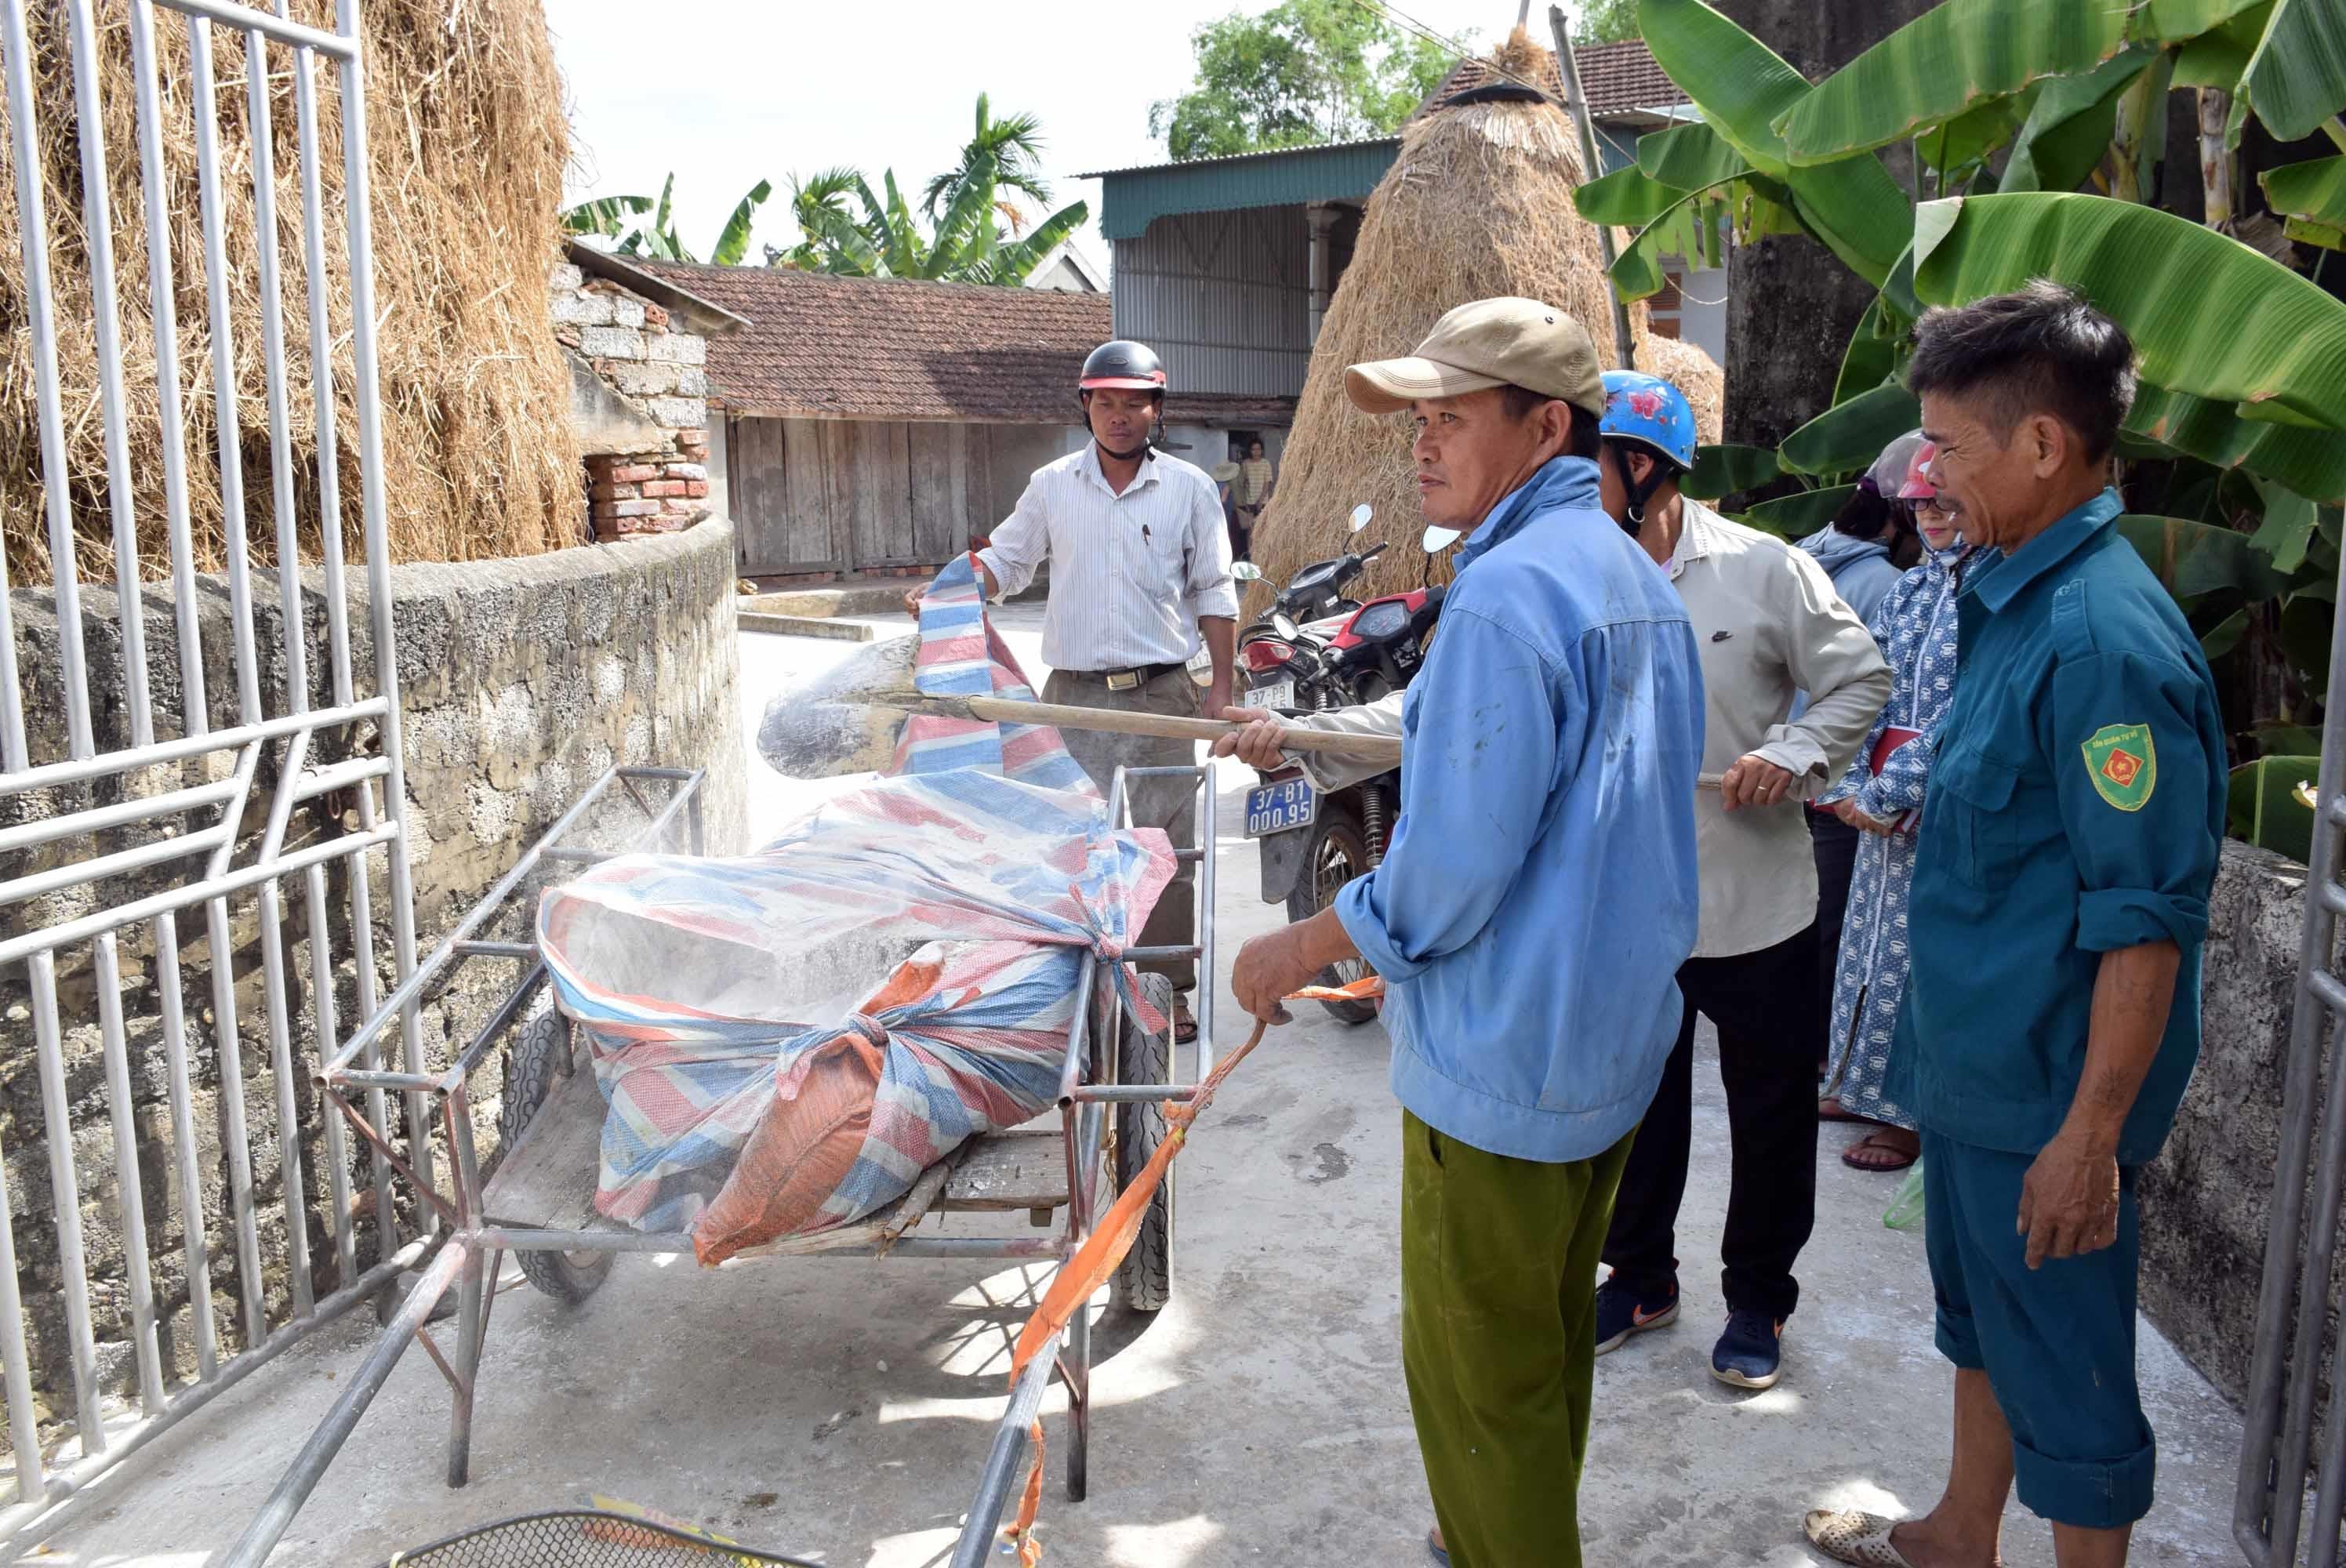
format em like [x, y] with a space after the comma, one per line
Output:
[840, 1409]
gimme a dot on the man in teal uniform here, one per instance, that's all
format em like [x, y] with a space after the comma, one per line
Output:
[2059, 905]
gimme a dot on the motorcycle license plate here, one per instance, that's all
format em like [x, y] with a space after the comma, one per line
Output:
[1280, 693]
[1280, 804]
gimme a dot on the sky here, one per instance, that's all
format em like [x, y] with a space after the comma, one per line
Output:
[729, 92]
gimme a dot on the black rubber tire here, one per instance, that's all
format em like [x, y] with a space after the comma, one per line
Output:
[1144, 1281]
[1338, 852]
[540, 1058]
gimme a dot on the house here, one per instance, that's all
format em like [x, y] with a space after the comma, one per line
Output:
[876, 426]
[1070, 269]
[1225, 266]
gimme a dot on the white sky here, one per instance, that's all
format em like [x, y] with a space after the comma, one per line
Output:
[728, 92]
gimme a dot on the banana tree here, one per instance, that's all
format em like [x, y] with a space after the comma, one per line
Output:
[2010, 108]
[615, 218]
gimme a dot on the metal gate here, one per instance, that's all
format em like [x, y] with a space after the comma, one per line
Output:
[140, 832]
[2279, 1458]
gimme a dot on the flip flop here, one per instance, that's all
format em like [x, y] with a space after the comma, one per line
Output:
[1185, 1023]
[1846, 1535]
[1434, 1549]
[1876, 1166]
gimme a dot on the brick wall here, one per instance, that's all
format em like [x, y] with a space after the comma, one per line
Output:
[659, 368]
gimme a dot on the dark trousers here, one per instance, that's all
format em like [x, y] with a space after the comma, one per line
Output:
[1763, 1003]
[1835, 843]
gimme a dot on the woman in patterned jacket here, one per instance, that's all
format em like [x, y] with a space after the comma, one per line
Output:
[1881, 794]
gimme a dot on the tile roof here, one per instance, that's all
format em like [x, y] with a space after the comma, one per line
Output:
[819, 347]
[1619, 78]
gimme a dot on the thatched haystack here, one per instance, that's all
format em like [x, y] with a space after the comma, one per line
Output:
[1477, 204]
[468, 141]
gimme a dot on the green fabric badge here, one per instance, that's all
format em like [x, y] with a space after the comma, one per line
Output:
[2122, 765]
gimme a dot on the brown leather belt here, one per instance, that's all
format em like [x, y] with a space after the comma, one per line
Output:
[1127, 679]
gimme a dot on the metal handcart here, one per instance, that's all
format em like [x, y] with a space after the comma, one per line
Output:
[538, 1203]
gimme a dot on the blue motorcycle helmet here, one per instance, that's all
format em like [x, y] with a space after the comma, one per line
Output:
[1651, 412]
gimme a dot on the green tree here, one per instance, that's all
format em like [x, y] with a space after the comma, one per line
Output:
[1302, 72]
[1604, 21]
[644, 227]
[976, 233]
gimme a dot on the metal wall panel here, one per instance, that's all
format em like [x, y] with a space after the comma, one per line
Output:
[1225, 297]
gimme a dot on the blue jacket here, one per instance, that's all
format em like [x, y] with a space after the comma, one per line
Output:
[1539, 893]
[1861, 569]
[2076, 807]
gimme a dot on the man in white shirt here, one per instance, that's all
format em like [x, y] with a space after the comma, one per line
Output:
[1140, 574]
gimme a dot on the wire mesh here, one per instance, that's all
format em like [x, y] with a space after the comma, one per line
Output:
[583, 1538]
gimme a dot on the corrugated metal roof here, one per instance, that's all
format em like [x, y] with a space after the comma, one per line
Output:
[1133, 199]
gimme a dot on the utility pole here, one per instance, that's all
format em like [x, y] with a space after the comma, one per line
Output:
[1576, 105]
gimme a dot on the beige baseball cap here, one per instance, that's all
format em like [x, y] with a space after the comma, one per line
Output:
[1489, 343]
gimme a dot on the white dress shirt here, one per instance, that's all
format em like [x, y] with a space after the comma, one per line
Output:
[1130, 574]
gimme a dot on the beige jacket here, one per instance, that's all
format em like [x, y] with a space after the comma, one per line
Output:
[1766, 624]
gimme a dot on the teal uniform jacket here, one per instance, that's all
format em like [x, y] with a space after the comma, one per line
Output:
[2075, 807]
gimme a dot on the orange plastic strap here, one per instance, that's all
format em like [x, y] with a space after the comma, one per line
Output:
[1097, 1258]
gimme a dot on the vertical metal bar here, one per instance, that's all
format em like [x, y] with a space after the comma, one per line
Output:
[321, 371]
[129, 1190]
[976, 1545]
[97, 227]
[289, 1127]
[183, 1143]
[224, 389]
[2267, 1500]
[272, 360]
[2329, 1497]
[338, 1154]
[24, 1421]
[1208, 838]
[64, 1192]
[32, 211]
[244, 1223]
[471, 1290]
[378, 549]
[195, 714]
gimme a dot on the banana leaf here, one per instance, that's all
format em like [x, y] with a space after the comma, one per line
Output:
[2297, 76]
[1976, 133]
[2315, 190]
[2195, 559]
[1727, 470]
[2208, 315]
[2308, 233]
[2262, 806]
[2288, 528]
[2311, 462]
[2225, 634]
[1637, 271]
[733, 242]
[2068, 126]
[1626, 197]
[605, 215]
[2173, 21]
[2219, 57]
[1848, 437]
[1872, 357]
[1743, 88]
[1690, 157]
[2307, 623]
[1795, 517]
[1946, 62]
[2275, 738]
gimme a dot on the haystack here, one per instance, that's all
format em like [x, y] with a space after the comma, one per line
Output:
[1477, 204]
[468, 142]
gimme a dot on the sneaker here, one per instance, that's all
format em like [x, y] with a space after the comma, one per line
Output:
[1621, 1312]
[1750, 1353]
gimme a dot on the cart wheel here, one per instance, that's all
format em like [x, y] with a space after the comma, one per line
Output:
[1144, 1281]
[1339, 851]
[540, 1059]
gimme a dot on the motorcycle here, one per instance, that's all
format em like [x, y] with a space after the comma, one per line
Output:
[1312, 842]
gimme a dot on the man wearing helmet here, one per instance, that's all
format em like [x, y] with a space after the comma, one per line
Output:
[1140, 573]
[1769, 626]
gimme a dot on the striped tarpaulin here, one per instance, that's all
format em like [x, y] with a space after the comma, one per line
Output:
[700, 984]
[961, 654]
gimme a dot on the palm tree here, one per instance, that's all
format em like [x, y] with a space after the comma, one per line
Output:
[1015, 145]
[610, 217]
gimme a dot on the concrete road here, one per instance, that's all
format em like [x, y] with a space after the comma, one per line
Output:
[840, 1409]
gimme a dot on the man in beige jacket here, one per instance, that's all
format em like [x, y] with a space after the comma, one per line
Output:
[1767, 625]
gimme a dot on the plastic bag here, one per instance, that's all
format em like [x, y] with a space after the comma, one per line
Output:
[1905, 1210]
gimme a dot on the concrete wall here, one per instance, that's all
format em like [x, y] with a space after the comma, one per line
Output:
[520, 682]
[2207, 1198]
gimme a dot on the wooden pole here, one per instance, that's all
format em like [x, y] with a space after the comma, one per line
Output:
[1576, 105]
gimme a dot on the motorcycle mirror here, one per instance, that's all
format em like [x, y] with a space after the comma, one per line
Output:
[1246, 571]
[1284, 624]
[1437, 540]
[1361, 515]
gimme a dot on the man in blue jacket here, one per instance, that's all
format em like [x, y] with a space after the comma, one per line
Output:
[1537, 901]
[2059, 906]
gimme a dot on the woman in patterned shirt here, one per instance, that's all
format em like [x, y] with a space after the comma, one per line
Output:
[1881, 794]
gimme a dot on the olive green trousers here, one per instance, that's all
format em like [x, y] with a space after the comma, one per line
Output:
[1498, 1337]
